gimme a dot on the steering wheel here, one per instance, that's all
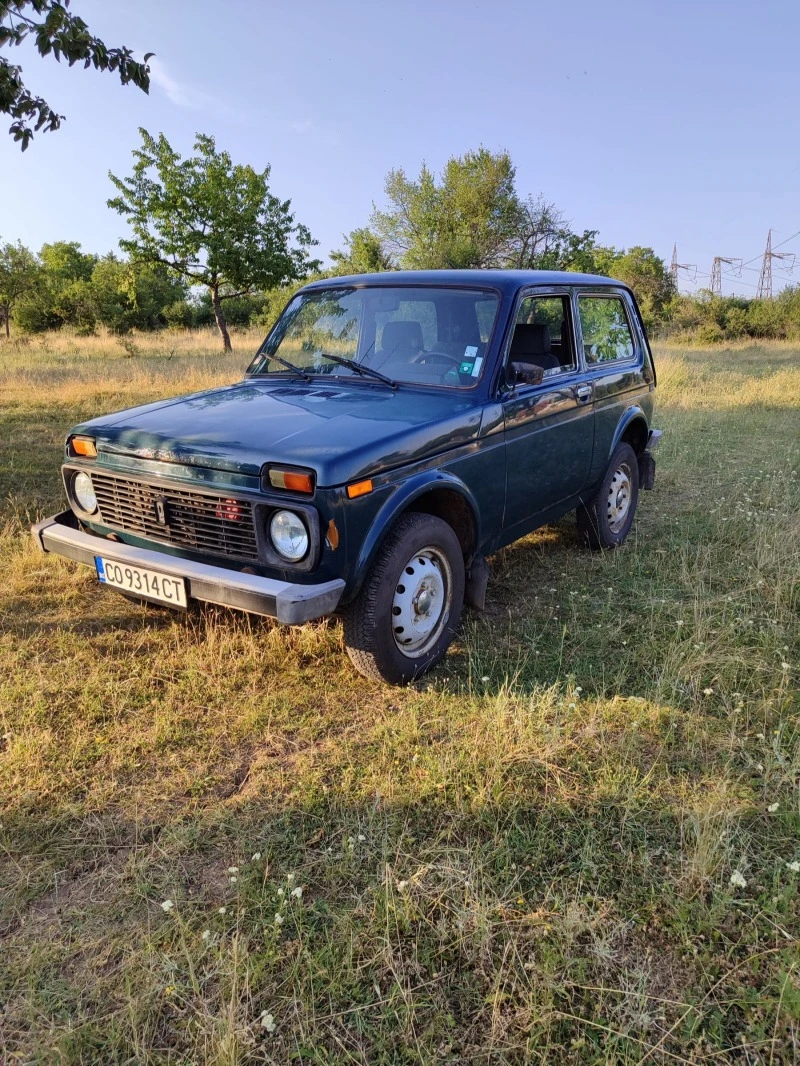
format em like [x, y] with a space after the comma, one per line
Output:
[423, 357]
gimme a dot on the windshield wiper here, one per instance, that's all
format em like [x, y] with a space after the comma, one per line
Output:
[290, 366]
[342, 360]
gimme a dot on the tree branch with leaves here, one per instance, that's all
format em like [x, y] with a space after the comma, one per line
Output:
[54, 31]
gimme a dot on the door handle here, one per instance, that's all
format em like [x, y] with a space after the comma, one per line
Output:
[583, 393]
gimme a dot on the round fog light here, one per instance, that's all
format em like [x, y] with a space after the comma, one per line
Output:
[84, 492]
[289, 535]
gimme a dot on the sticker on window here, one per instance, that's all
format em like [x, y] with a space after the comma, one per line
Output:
[466, 367]
[470, 351]
[476, 369]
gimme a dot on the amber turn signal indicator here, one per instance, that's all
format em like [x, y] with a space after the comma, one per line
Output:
[83, 446]
[359, 488]
[291, 480]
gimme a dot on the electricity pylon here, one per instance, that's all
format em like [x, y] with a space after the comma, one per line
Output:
[716, 272]
[675, 266]
[764, 291]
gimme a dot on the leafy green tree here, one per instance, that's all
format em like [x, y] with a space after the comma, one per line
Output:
[210, 222]
[133, 295]
[648, 276]
[362, 254]
[63, 293]
[19, 271]
[466, 219]
[54, 30]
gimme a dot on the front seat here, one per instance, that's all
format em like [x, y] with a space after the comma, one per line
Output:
[401, 340]
[531, 344]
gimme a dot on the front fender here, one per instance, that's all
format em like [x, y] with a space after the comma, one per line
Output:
[406, 493]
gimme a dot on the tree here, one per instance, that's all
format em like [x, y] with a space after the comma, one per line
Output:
[362, 254]
[648, 276]
[18, 273]
[212, 223]
[467, 219]
[63, 293]
[54, 30]
[130, 296]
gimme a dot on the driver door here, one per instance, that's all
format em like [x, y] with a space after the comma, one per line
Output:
[549, 427]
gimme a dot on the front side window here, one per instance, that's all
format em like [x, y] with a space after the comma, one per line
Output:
[426, 336]
[542, 335]
[606, 331]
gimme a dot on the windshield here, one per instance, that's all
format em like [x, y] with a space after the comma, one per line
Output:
[425, 336]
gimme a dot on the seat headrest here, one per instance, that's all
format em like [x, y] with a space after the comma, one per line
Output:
[405, 336]
[529, 341]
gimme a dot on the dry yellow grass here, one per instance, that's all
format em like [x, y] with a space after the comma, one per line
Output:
[525, 859]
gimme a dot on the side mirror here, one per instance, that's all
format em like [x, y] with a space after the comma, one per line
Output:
[526, 374]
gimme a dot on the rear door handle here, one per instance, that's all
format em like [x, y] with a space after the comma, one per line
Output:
[583, 393]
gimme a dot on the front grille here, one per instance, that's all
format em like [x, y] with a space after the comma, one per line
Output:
[219, 525]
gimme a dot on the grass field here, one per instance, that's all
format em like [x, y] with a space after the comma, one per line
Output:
[578, 841]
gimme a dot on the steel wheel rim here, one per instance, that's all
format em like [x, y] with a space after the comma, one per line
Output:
[620, 495]
[421, 602]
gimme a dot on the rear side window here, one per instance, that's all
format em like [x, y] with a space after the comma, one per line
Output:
[607, 335]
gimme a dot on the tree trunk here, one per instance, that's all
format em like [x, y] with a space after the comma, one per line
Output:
[6, 313]
[220, 317]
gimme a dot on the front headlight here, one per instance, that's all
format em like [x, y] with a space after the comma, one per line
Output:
[289, 535]
[84, 492]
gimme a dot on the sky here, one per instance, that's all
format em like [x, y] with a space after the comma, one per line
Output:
[653, 123]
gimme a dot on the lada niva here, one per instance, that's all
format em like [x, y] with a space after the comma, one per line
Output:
[392, 431]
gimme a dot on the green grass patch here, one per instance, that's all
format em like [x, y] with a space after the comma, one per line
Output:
[577, 841]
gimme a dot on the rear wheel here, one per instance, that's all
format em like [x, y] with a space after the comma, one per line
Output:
[407, 613]
[606, 519]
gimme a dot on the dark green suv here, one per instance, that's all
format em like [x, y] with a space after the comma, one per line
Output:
[392, 431]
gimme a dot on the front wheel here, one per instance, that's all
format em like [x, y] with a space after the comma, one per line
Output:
[407, 613]
[606, 519]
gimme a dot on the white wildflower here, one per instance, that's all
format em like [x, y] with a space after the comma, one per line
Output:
[223, 910]
[206, 934]
[280, 890]
[793, 866]
[233, 869]
[267, 1021]
[737, 879]
[361, 838]
[279, 919]
[256, 856]
[486, 678]
[773, 807]
[402, 886]
[708, 691]
[297, 892]
[233, 880]
[290, 878]
[167, 905]
[785, 666]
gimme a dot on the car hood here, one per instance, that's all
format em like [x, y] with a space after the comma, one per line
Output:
[343, 432]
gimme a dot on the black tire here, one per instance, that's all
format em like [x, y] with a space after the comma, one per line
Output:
[606, 519]
[427, 549]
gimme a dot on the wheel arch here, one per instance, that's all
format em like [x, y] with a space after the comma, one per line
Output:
[436, 493]
[633, 429]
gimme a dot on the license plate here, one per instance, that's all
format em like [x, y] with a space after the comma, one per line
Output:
[149, 584]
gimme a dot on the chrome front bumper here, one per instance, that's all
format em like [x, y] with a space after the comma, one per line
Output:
[284, 600]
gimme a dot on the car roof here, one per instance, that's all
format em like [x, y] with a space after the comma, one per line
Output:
[507, 281]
